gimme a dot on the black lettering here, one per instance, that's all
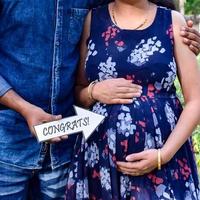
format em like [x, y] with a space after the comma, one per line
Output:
[74, 124]
[62, 127]
[56, 128]
[79, 122]
[50, 130]
[86, 121]
[45, 132]
[68, 126]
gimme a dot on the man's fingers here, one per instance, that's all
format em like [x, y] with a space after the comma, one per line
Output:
[194, 49]
[56, 117]
[190, 23]
[64, 137]
[195, 44]
[54, 140]
[189, 37]
[189, 30]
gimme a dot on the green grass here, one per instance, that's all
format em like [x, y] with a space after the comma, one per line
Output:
[196, 134]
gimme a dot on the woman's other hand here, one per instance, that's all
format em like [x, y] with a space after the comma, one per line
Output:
[143, 162]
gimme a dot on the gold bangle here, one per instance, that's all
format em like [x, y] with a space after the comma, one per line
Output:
[89, 89]
[159, 159]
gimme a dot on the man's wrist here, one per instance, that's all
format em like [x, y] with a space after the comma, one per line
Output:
[12, 100]
[25, 108]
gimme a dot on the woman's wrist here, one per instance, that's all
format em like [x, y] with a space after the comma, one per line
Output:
[166, 155]
[94, 91]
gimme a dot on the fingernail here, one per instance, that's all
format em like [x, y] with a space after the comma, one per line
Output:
[127, 158]
[183, 28]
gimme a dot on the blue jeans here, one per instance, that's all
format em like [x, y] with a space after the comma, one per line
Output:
[26, 184]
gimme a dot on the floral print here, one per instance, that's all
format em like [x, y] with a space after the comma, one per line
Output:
[91, 50]
[140, 55]
[146, 58]
[107, 69]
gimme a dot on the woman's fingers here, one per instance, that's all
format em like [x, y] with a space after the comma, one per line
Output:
[128, 95]
[116, 91]
[121, 82]
[129, 89]
[121, 101]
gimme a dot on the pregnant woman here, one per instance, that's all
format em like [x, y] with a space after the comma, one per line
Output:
[142, 151]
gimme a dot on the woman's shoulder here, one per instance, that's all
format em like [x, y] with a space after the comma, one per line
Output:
[178, 19]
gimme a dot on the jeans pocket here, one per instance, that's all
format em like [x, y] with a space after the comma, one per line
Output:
[77, 18]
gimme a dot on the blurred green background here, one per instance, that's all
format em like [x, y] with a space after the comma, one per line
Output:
[196, 134]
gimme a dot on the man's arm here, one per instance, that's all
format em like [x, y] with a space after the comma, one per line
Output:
[33, 114]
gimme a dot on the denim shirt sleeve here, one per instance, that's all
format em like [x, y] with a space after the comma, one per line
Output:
[4, 86]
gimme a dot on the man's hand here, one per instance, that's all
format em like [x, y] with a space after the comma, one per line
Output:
[35, 116]
[191, 37]
[140, 163]
[116, 91]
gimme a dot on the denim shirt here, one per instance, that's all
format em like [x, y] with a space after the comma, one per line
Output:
[38, 59]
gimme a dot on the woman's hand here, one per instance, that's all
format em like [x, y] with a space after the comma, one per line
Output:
[191, 37]
[140, 163]
[116, 91]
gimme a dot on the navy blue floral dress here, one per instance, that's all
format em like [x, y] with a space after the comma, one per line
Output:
[146, 57]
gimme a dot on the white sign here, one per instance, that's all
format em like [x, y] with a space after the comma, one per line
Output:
[85, 121]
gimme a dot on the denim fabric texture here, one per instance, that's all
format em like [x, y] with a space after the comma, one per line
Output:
[38, 59]
[25, 184]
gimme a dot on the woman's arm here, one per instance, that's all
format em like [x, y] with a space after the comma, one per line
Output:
[112, 91]
[189, 76]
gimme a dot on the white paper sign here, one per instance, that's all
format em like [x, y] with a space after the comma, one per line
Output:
[85, 121]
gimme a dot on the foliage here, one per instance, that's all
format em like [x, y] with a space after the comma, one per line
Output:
[192, 7]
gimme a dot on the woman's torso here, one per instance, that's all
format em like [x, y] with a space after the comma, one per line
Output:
[147, 58]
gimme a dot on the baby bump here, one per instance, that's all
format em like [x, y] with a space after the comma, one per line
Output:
[144, 124]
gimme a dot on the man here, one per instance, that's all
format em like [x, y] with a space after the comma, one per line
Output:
[38, 59]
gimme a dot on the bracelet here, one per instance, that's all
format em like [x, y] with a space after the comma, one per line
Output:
[90, 88]
[159, 159]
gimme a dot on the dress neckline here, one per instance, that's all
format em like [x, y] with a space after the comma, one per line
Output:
[133, 30]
